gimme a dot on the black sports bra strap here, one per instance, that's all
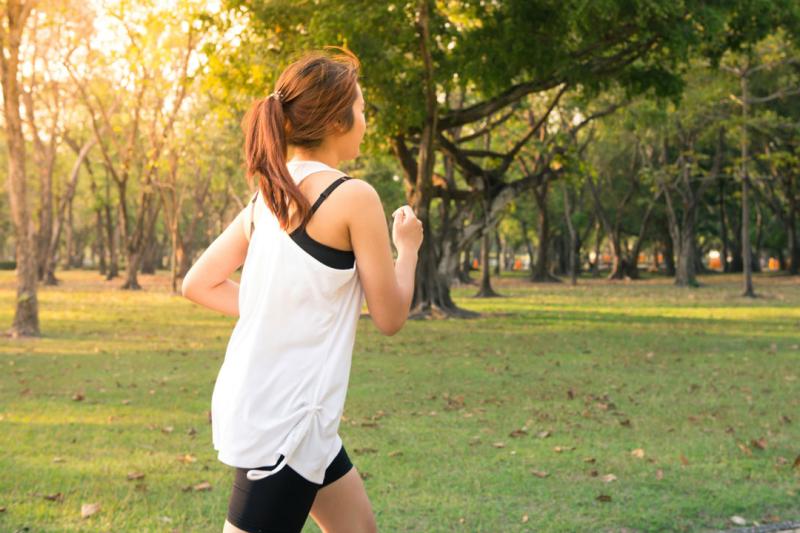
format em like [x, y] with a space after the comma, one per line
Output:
[252, 212]
[326, 192]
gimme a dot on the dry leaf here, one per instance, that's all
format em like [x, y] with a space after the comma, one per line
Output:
[205, 485]
[364, 450]
[760, 443]
[559, 449]
[167, 429]
[738, 520]
[135, 475]
[394, 453]
[57, 497]
[608, 478]
[88, 509]
[58, 459]
[539, 473]
[187, 458]
[518, 433]
[659, 474]
[684, 460]
[603, 498]
[638, 452]
[499, 444]
[745, 449]
[524, 518]
[543, 434]
[77, 396]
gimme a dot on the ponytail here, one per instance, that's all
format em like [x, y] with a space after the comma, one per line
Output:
[312, 95]
[265, 154]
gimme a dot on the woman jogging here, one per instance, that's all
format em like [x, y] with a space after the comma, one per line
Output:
[313, 243]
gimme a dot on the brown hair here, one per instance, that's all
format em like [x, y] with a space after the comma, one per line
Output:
[313, 93]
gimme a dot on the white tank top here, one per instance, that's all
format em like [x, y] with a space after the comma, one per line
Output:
[282, 386]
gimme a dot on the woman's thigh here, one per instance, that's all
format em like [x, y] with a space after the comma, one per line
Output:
[343, 506]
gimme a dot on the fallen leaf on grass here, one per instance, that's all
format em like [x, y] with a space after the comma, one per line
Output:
[589, 460]
[603, 498]
[745, 449]
[135, 475]
[760, 443]
[524, 518]
[187, 458]
[88, 509]
[539, 473]
[608, 478]
[77, 396]
[394, 453]
[659, 474]
[738, 520]
[684, 460]
[499, 444]
[796, 463]
[559, 449]
[205, 485]
[57, 497]
[518, 433]
[638, 452]
[167, 429]
[543, 434]
[364, 450]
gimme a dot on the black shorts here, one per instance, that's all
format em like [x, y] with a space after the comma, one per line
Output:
[281, 502]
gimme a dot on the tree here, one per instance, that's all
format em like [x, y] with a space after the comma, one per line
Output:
[13, 17]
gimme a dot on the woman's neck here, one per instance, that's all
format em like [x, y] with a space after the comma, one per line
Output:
[326, 157]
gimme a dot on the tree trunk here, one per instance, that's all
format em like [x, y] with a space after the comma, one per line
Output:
[112, 234]
[723, 227]
[747, 260]
[486, 290]
[541, 271]
[498, 251]
[573, 252]
[26, 312]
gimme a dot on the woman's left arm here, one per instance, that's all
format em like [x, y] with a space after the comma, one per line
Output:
[206, 282]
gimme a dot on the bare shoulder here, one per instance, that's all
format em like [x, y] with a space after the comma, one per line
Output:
[361, 191]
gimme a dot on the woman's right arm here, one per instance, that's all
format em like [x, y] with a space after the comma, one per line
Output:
[388, 284]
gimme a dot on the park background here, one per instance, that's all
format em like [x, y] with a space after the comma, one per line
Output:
[605, 329]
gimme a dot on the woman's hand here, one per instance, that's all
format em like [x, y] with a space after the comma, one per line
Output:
[406, 230]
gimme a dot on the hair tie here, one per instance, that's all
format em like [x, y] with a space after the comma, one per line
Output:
[278, 95]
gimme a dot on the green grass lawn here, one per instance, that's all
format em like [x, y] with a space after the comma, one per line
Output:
[648, 407]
